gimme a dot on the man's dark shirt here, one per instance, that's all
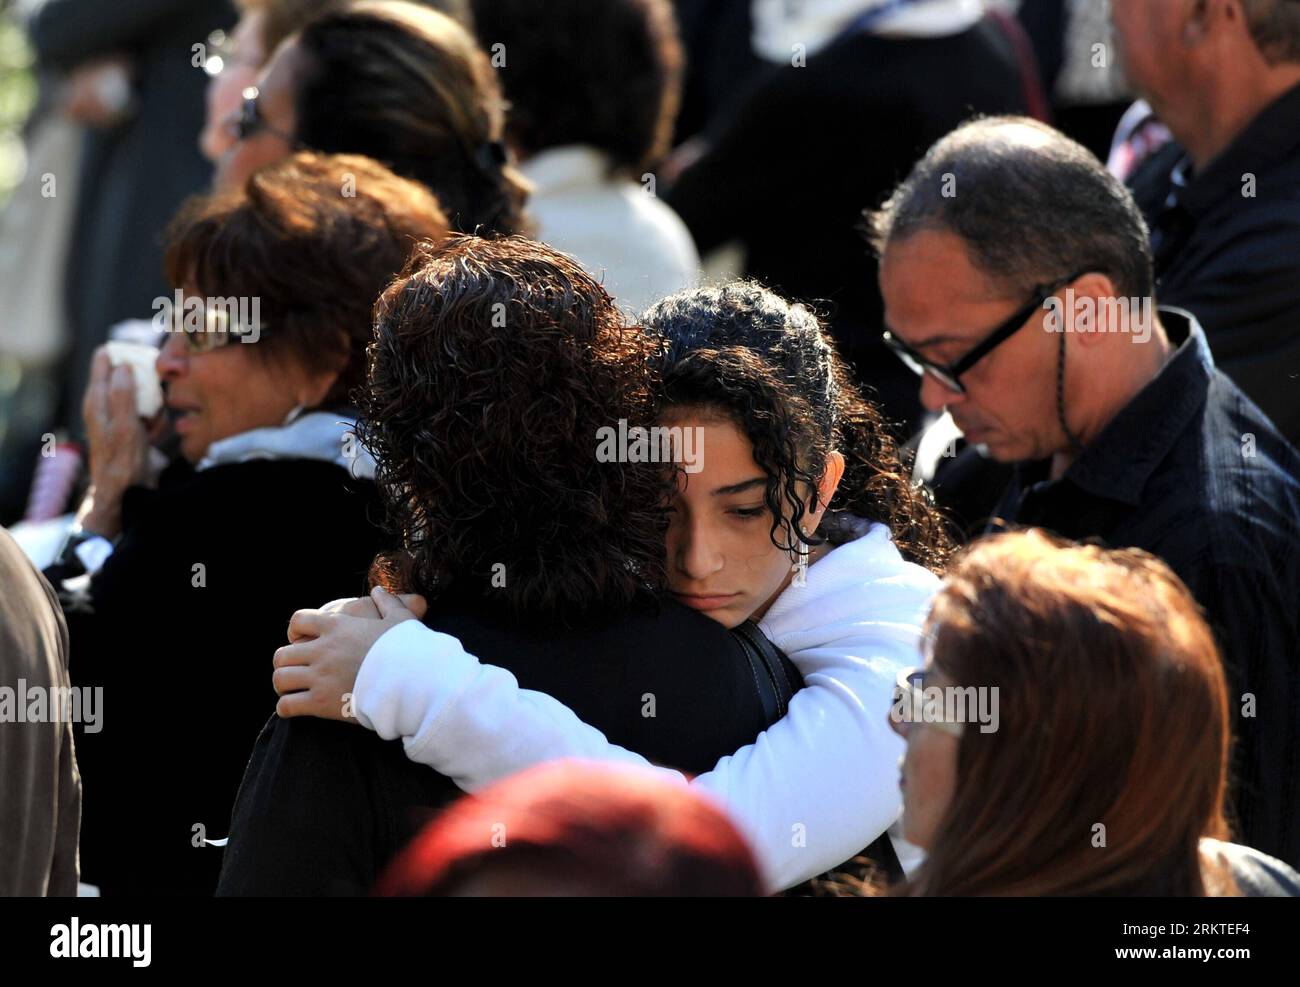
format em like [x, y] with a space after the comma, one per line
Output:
[1227, 249]
[1192, 471]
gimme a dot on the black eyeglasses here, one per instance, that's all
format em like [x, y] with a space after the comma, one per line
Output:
[251, 121]
[949, 375]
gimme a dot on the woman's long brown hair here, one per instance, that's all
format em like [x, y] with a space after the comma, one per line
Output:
[1109, 762]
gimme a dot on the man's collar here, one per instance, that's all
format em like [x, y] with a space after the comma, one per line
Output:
[1117, 464]
[1270, 138]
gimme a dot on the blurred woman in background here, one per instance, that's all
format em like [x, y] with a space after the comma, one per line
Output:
[233, 59]
[397, 82]
[593, 91]
[1106, 772]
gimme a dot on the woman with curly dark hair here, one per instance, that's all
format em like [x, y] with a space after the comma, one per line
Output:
[494, 365]
[798, 516]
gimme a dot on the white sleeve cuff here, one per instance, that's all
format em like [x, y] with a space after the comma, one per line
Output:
[93, 553]
[409, 676]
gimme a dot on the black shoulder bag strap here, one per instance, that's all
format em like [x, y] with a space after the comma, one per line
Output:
[774, 685]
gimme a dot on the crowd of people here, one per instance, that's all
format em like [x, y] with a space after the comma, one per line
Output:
[746, 448]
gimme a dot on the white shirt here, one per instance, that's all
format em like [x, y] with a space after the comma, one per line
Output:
[624, 236]
[813, 789]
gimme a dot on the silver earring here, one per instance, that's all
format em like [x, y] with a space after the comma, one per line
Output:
[801, 563]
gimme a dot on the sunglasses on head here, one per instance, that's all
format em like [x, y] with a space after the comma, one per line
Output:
[949, 374]
[250, 121]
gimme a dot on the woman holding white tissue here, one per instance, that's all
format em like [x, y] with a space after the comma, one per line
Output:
[261, 407]
[798, 516]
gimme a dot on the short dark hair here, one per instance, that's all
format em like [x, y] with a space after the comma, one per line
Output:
[495, 365]
[605, 73]
[315, 257]
[1275, 26]
[1028, 213]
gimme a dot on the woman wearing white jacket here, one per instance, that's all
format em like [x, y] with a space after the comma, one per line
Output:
[792, 510]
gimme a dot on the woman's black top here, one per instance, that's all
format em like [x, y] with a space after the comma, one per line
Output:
[325, 805]
[179, 628]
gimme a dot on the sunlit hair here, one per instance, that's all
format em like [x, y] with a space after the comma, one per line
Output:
[315, 260]
[768, 366]
[494, 365]
[280, 18]
[575, 828]
[1109, 763]
[410, 87]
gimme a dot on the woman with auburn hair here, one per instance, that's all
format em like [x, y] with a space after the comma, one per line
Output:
[397, 82]
[1106, 772]
[572, 828]
[797, 524]
[278, 279]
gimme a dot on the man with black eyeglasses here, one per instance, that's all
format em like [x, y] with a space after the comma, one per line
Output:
[1017, 280]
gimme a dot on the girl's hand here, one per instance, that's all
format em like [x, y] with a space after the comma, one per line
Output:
[316, 674]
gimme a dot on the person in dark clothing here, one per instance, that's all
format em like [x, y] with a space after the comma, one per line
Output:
[268, 464]
[526, 542]
[135, 173]
[1028, 311]
[1223, 199]
[815, 144]
[40, 795]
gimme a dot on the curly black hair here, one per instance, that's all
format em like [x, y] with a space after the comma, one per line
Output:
[495, 364]
[767, 365]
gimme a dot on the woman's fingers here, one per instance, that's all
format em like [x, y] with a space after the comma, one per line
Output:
[362, 606]
[415, 603]
[392, 608]
[307, 623]
[292, 678]
[94, 403]
[295, 704]
[311, 703]
[294, 654]
[121, 395]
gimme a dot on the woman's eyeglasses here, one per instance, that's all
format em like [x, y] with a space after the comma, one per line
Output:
[250, 120]
[949, 374]
[214, 332]
[910, 703]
